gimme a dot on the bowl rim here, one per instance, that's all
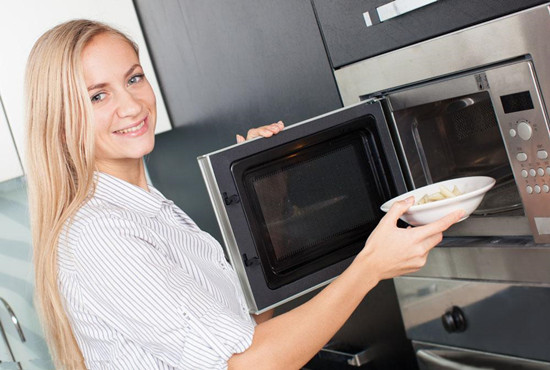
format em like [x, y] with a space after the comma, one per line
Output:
[420, 207]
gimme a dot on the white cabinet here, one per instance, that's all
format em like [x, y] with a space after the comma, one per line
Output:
[10, 166]
[23, 21]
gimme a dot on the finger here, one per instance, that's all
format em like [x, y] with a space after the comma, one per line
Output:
[398, 209]
[440, 225]
[261, 131]
[240, 139]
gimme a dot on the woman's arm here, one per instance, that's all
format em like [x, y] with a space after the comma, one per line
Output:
[290, 340]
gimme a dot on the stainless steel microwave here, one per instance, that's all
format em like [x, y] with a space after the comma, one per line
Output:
[295, 209]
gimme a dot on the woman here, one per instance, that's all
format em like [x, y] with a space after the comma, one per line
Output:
[124, 279]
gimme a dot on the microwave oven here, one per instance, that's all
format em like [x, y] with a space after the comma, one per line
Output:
[294, 209]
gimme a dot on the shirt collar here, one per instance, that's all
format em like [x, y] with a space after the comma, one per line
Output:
[129, 196]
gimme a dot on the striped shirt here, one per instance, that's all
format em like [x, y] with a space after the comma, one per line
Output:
[145, 288]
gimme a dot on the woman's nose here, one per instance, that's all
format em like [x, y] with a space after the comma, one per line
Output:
[128, 104]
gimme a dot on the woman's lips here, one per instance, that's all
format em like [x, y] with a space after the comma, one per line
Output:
[135, 130]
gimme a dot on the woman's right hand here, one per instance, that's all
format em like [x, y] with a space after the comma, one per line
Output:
[392, 251]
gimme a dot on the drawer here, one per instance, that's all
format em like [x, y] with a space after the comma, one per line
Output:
[502, 318]
[349, 39]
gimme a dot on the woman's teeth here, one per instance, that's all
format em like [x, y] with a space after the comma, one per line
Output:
[131, 129]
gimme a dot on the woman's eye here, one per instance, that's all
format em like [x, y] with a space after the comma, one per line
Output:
[135, 79]
[98, 97]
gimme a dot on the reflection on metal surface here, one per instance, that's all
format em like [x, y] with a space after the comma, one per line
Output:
[438, 357]
[498, 315]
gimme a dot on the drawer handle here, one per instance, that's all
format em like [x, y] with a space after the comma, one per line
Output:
[400, 7]
[431, 358]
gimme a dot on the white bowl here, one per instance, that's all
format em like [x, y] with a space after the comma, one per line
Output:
[473, 190]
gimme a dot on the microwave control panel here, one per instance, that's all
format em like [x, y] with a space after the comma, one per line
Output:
[524, 126]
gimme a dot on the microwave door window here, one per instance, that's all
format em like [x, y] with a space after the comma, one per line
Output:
[315, 204]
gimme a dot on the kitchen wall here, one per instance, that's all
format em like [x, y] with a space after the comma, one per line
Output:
[16, 277]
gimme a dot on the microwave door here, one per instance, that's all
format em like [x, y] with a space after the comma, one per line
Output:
[296, 208]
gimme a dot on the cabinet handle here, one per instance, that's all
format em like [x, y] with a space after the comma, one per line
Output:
[400, 7]
[431, 358]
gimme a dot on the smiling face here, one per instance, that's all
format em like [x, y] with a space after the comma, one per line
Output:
[123, 102]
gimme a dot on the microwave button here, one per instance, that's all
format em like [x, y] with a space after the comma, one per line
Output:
[529, 189]
[522, 157]
[537, 189]
[524, 130]
[540, 171]
[545, 188]
[513, 132]
[524, 173]
[532, 172]
[542, 154]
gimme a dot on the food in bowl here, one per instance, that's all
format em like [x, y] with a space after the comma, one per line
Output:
[473, 190]
[443, 193]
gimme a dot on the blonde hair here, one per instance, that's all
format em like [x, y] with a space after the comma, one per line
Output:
[60, 164]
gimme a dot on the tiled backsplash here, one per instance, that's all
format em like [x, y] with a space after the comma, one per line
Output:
[16, 281]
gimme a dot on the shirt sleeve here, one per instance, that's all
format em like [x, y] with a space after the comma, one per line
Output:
[129, 282]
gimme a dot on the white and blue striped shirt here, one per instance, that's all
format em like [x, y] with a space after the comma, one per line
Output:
[145, 288]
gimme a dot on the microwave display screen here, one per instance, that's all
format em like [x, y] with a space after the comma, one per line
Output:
[517, 102]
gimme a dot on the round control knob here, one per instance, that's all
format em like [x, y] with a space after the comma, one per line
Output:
[454, 320]
[529, 189]
[545, 188]
[540, 171]
[537, 189]
[513, 132]
[524, 173]
[525, 131]
[532, 172]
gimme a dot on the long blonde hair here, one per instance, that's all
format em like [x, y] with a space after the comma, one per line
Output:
[60, 164]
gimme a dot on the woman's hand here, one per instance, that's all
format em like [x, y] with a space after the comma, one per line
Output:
[264, 131]
[392, 251]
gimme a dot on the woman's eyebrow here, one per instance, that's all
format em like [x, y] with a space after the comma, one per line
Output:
[131, 70]
[126, 75]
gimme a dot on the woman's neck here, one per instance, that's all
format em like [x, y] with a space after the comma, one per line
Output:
[131, 170]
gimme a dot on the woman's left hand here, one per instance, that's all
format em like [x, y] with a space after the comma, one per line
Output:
[264, 131]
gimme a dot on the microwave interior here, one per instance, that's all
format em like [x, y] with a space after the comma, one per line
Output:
[313, 202]
[458, 137]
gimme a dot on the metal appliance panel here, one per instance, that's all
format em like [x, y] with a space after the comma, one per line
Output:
[437, 357]
[521, 133]
[495, 316]
[217, 170]
[502, 39]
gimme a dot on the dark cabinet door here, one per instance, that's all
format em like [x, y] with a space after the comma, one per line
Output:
[349, 39]
[224, 67]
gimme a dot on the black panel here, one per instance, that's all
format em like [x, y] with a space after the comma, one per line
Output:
[225, 67]
[349, 40]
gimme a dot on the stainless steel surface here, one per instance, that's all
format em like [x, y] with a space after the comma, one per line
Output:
[14, 319]
[503, 39]
[434, 359]
[457, 127]
[7, 342]
[400, 7]
[492, 259]
[496, 315]
[17, 325]
[464, 359]
[499, 57]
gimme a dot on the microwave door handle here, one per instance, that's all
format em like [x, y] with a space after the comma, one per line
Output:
[431, 358]
[400, 7]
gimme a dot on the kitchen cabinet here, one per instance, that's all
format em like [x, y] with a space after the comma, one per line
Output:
[10, 165]
[349, 39]
[23, 21]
